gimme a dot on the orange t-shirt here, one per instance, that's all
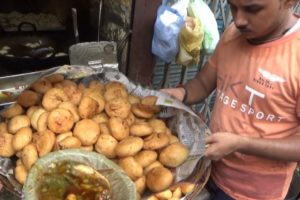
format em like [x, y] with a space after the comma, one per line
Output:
[258, 95]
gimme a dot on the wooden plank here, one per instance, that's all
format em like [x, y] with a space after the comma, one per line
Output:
[141, 60]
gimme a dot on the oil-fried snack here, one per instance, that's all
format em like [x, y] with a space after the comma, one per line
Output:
[87, 148]
[35, 117]
[18, 122]
[60, 137]
[131, 167]
[72, 108]
[118, 107]
[133, 99]
[88, 107]
[141, 129]
[3, 127]
[117, 92]
[130, 119]
[13, 110]
[152, 166]
[118, 128]
[106, 145]
[173, 155]
[173, 139]
[159, 179]
[143, 111]
[69, 142]
[100, 100]
[129, 146]
[60, 120]
[145, 157]
[100, 118]
[156, 141]
[44, 142]
[81, 87]
[185, 187]
[21, 173]
[87, 131]
[140, 184]
[177, 192]
[151, 101]
[73, 93]
[53, 97]
[41, 86]
[55, 78]
[29, 155]
[114, 84]
[22, 138]
[65, 83]
[158, 125]
[104, 130]
[31, 110]
[166, 194]
[6, 148]
[42, 122]
[97, 85]
[29, 98]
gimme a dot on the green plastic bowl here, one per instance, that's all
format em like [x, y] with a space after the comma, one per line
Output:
[121, 184]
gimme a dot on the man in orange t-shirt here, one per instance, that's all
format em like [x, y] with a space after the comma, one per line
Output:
[255, 71]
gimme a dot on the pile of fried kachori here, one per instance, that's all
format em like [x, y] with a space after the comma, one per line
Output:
[55, 113]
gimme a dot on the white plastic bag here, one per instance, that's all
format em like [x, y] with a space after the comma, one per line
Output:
[200, 10]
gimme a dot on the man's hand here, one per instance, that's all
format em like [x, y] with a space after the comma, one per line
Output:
[177, 93]
[221, 144]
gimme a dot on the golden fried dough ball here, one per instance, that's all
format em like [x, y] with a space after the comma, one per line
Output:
[87, 131]
[156, 141]
[6, 148]
[106, 145]
[31, 110]
[44, 142]
[18, 122]
[118, 128]
[145, 157]
[130, 119]
[100, 100]
[152, 166]
[53, 98]
[81, 87]
[97, 85]
[20, 173]
[104, 130]
[143, 111]
[173, 139]
[114, 84]
[141, 129]
[165, 194]
[118, 107]
[72, 108]
[60, 120]
[29, 98]
[151, 101]
[3, 127]
[60, 137]
[65, 83]
[112, 93]
[87, 148]
[73, 93]
[55, 78]
[29, 155]
[100, 118]
[131, 167]
[88, 107]
[35, 117]
[13, 110]
[41, 86]
[133, 99]
[174, 155]
[42, 122]
[140, 184]
[69, 142]
[129, 146]
[158, 125]
[159, 179]
[22, 138]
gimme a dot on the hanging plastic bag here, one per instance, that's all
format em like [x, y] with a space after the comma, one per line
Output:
[167, 26]
[199, 9]
[190, 42]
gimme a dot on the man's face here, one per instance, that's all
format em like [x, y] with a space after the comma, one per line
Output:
[257, 19]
